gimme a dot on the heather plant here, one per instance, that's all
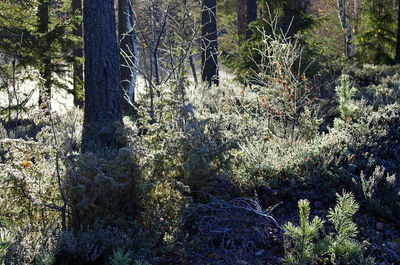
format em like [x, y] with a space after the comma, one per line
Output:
[381, 193]
[93, 244]
[376, 84]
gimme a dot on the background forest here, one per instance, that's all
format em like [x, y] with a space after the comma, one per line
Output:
[193, 132]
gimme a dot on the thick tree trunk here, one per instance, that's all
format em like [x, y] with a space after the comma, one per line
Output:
[209, 43]
[129, 52]
[46, 69]
[76, 5]
[346, 28]
[398, 34]
[102, 79]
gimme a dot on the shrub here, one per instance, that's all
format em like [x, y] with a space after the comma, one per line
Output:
[93, 244]
[103, 188]
[6, 240]
[162, 208]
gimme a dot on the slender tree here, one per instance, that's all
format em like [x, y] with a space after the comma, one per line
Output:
[129, 51]
[45, 68]
[251, 15]
[241, 17]
[347, 31]
[398, 33]
[209, 43]
[76, 6]
[102, 80]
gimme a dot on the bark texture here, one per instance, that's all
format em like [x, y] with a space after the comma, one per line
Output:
[102, 117]
[346, 28]
[246, 13]
[46, 67]
[398, 33]
[209, 56]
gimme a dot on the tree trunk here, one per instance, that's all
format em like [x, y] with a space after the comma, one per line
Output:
[209, 56]
[129, 52]
[241, 17]
[246, 13]
[251, 15]
[346, 28]
[76, 5]
[398, 34]
[102, 115]
[45, 69]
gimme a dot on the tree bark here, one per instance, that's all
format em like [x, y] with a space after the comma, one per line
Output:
[76, 5]
[246, 13]
[398, 34]
[129, 52]
[209, 43]
[343, 20]
[251, 15]
[102, 108]
[241, 17]
[46, 68]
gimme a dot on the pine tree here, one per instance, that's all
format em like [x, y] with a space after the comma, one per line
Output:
[398, 34]
[37, 35]
[76, 7]
[102, 109]
[209, 43]
[377, 38]
[129, 54]
[45, 70]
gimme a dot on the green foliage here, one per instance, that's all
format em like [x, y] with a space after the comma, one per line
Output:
[162, 212]
[121, 257]
[347, 109]
[46, 259]
[277, 18]
[303, 236]
[381, 193]
[6, 239]
[23, 41]
[338, 247]
[103, 188]
[343, 248]
[377, 38]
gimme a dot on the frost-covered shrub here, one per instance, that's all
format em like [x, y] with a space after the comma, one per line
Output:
[102, 188]
[93, 244]
[162, 207]
[31, 245]
[377, 85]
[29, 182]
